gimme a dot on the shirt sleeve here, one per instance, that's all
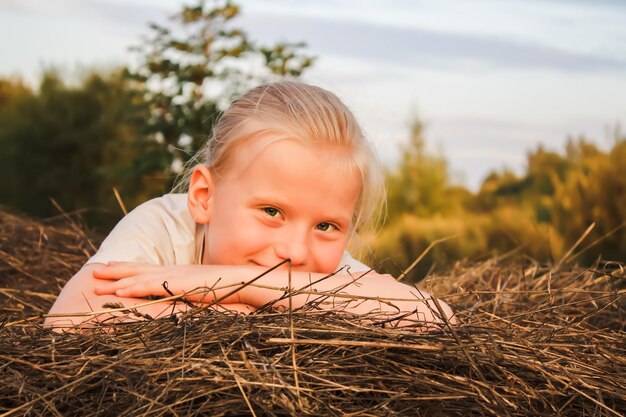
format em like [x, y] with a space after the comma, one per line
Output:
[141, 236]
[355, 266]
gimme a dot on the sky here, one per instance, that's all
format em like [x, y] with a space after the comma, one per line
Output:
[490, 79]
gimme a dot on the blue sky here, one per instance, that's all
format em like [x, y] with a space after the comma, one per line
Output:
[491, 79]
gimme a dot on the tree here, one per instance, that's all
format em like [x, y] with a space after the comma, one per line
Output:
[420, 184]
[189, 71]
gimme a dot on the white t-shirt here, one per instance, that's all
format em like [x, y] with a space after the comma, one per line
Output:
[163, 232]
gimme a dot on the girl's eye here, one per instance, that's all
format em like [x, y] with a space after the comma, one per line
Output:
[271, 211]
[325, 227]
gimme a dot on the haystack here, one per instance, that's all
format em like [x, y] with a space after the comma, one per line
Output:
[533, 340]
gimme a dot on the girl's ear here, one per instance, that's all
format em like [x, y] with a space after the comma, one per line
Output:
[200, 195]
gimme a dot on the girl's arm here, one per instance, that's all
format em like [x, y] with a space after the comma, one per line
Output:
[78, 297]
[78, 300]
[359, 293]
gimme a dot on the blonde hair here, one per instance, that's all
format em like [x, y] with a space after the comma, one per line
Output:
[309, 114]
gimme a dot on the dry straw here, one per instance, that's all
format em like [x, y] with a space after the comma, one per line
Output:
[533, 341]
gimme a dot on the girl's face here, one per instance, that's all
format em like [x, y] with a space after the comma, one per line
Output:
[282, 199]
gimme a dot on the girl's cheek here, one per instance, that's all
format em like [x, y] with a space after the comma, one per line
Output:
[329, 257]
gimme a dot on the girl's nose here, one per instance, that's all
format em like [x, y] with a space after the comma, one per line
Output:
[293, 248]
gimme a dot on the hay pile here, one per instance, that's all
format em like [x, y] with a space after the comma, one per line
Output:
[534, 341]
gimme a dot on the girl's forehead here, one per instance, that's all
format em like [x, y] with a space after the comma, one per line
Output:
[253, 148]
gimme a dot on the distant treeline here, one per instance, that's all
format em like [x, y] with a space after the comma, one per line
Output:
[132, 130]
[542, 213]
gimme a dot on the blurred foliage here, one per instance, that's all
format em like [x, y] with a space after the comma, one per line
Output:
[540, 214]
[72, 144]
[420, 184]
[132, 129]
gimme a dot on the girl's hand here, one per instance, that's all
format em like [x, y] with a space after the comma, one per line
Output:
[129, 279]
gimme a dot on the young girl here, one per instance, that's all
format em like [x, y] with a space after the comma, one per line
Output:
[288, 177]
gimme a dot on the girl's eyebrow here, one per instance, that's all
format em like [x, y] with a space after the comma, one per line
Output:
[270, 200]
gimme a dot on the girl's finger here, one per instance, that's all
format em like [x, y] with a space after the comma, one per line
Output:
[121, 263]
[112, 287]
[118, 270]
[143, 289]
[104, 290]
[154, 284]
